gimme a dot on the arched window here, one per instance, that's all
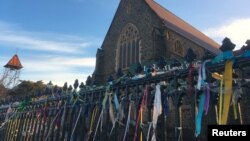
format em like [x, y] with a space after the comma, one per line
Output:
[128, 47]
[178, 49]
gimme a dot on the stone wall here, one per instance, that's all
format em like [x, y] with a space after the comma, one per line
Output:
[139, 14]
[171, 37]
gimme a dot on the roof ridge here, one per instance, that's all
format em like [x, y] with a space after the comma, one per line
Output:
[184, 28]
[170, 12]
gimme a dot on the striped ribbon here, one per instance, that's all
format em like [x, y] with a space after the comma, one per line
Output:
[140, 117]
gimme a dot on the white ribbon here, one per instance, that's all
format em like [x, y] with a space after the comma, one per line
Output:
[100, 118]
[157, 110]
[202, 75]
[71, 137]
[128, 120]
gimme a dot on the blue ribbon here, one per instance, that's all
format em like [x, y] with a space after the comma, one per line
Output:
[116, 101]
[86, 112]
[202, 75]
[199, 115]
[165, 104]
[246, 54]
[200, 81]
[223, 56]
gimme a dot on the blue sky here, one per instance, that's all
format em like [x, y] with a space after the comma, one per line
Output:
[57, 39]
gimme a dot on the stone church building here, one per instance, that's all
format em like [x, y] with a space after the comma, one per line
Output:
[143, 30]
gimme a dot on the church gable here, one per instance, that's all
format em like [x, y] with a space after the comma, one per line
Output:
[140, 32]
[129, 38]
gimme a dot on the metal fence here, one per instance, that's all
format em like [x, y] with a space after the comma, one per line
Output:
[121, 110]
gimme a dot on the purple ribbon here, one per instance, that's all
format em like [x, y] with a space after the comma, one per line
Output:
[207, 98]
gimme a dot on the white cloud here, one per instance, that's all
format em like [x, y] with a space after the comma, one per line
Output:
[237, 30]
[13, 36]
[53, 64]
[58, 69]
[31, 43]
[57, 78]
[57, 57]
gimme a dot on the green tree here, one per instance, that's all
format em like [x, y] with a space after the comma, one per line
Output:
[76, 84]
[27, 88]
[65, 86]
[81, 85]
[70, 88]
[89, 81]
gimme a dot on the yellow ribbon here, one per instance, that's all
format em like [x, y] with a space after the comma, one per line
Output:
[228, 78]
[92, 118]
[221, 101]
[235, 111]
[219, 77]
[235, 97]
[241, 121]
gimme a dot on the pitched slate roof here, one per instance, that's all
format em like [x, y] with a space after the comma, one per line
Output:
[178, 25]
[14, 63]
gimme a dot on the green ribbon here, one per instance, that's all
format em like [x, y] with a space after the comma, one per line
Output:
[23, 105]
[76, 97]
